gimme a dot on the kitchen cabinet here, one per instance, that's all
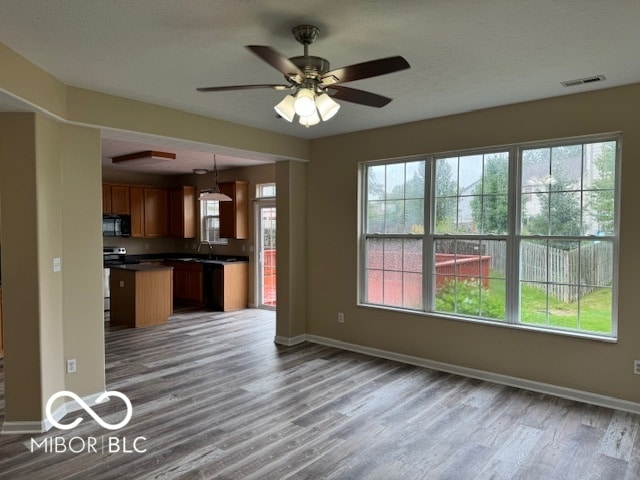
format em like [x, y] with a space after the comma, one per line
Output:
[187, 282]
[115, 199]
[229, 286]
[156, 212]
[136, 199]
[234, 215]
[149, 212]
[140, 295]
[182, 212]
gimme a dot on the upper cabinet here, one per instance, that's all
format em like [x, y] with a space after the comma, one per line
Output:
[234, 215]
[155, 211]
[115, 199]
[182, 212]
[149, 214]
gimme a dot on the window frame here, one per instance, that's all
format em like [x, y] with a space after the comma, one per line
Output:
[204, 231]
[513, 237]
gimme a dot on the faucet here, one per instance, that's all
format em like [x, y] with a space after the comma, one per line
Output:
[205, 242]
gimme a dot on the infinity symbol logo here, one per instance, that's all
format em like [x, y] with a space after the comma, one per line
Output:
[102, 398]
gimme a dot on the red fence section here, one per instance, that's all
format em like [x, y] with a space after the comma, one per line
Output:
[450, 266]
[396, 288]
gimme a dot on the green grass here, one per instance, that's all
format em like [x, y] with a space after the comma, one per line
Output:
[592, 313]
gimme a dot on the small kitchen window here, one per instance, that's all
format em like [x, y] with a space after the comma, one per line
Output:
[210, 222]
[266, 190]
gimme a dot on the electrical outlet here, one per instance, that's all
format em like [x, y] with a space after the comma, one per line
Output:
[636, 367]
[340, 317]
[71, 365]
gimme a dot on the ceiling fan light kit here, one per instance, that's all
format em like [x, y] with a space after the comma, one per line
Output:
[312, 82]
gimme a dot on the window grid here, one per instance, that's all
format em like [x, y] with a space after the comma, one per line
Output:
[562, 195]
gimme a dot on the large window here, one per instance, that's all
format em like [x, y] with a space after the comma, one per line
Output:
[525, 235]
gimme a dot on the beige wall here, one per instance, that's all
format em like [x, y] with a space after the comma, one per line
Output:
[49, 182]
[587, 365]
[317, 235]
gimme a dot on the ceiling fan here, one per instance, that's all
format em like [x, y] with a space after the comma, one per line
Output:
[313, 85]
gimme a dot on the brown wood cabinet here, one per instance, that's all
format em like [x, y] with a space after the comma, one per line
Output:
[115, 199]
[230, 286]
[234, 215]
[140, 295]
[156, 218]
[182, 212]
[187, 282]
[149, 212]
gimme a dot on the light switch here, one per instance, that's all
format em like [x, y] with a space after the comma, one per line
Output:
[57, 264]
[121, 283]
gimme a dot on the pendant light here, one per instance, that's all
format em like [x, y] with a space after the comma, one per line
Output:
[214, 193]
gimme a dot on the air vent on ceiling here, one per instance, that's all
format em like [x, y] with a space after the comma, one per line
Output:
[583, 81]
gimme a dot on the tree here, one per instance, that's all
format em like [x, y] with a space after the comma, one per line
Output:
[559, 213]
[445, 190]
[490, 205]
[601, 201]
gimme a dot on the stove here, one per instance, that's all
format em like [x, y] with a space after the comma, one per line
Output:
[114, 256]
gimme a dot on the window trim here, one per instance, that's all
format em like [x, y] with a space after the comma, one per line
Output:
[513, 236]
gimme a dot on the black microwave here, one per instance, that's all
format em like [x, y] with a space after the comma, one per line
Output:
[116, 225]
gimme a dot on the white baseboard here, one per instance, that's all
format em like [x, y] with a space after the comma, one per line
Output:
[558, 391]
[290, 341]
[44, 425]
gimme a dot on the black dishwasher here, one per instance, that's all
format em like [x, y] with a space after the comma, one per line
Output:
[212, 285]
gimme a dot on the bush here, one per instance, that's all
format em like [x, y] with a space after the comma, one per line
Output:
[469, 298]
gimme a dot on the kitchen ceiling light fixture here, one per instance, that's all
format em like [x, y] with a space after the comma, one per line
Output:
[145, 157]
[214, 193]
[312, 83]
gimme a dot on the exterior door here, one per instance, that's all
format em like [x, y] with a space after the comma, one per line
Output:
[266, 254]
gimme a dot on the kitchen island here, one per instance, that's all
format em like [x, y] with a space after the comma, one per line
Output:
[141, 295]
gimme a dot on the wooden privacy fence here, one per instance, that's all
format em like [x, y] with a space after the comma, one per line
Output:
[569, 274]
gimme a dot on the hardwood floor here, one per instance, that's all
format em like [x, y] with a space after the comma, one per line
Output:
[215, 398]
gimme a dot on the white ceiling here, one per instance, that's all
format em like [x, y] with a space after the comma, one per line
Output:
[464, 54]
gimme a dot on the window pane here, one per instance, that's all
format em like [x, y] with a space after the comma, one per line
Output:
[536, 170]
[566, 167]
[375, 182]
[481, 182]
[394, 272]
[466, 280]
[395, 181]
[567, 284]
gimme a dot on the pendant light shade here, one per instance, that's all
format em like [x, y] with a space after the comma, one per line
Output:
[286, 109]
[214, 193]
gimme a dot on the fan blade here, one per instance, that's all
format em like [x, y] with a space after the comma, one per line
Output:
[243, 87]
[279, 62]
[369, 69]
[359, 96]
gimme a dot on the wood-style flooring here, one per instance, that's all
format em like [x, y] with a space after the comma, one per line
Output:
[215, 398]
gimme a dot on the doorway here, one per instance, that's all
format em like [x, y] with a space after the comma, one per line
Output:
[266, 253]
